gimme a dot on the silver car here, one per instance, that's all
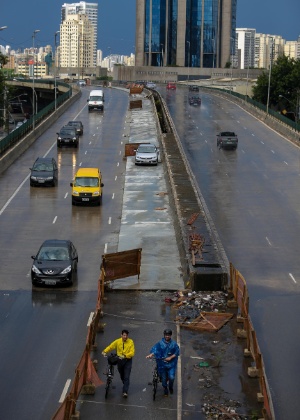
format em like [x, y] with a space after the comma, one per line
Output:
[146, 154]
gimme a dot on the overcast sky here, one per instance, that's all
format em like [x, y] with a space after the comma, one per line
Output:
[116, 21]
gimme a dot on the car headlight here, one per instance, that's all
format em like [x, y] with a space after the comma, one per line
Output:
[59, 138]
[33, 177]
[67, 270]
[74, 138]
[49, 178]
[96, 193]
[35, 270]
[75, 193]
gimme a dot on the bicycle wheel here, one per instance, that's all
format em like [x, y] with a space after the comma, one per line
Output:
[107, 387]
[110, 374]
[154, 383]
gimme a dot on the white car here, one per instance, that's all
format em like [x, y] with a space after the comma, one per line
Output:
[146, 154]
[151, 85]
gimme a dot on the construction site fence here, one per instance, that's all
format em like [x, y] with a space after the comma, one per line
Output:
[114, 266]
[86, 378]
[238, 288]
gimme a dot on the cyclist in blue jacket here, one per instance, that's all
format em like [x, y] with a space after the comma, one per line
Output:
[166, 352]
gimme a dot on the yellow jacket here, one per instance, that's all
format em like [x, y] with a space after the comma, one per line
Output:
[123, 348]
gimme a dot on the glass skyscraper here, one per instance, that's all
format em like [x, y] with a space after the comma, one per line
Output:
[187, 33]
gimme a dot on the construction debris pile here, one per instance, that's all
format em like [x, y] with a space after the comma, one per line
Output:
[190, 304]
[226, 409]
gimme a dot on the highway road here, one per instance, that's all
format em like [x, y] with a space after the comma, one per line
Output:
[43, 332]
[253, 197]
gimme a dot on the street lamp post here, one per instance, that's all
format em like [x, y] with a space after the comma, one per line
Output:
[270, 70]
[56, 61]
[4, 113]
[249, 58]
[232, 45]
[33, 90]
[188, 42]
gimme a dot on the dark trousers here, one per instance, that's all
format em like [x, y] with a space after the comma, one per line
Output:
[124, 368]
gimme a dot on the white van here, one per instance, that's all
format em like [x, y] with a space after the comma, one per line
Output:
[96, 100]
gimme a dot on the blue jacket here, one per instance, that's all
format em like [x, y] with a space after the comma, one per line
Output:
[164, 349]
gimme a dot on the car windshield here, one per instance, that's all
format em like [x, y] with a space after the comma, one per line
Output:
[43, 167]
[96, 98]
[228, 134]
[53, 254]
[70, 131]
[86, 182]
[146, 149]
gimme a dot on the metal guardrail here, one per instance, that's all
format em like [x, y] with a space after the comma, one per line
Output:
[292, 124]
[13, 137]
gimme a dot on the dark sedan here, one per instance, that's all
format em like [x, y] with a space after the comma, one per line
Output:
[55, 264]
[44, 172]
[67, 136]
[78, 125]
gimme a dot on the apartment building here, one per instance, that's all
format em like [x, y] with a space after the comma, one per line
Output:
[76, 42]
[91, 11]
[184, 33]
[245, 41]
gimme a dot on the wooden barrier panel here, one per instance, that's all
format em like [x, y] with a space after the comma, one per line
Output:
[121, 264]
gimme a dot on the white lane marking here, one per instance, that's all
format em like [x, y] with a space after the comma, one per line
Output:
[90, 142]
[14, 194]
[179, 383]
[262, 142]
[105, 249]
[272, 151]
[116, 178]
[269, 242]
[252, 135]
[285, 162]
[66, 195]
[113, 196]
[80, 163]
[90, 319]
[109, 220]
[54, 220]
[65, 390]
[120, 152]
[85, 152]
[118, 164]
[121, 142]
[292, 277]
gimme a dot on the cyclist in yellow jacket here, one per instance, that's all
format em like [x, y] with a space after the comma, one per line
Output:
[124, 347]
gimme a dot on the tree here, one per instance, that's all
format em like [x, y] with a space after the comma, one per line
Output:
[285, 80]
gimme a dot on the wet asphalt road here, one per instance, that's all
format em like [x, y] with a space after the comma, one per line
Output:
[253, 198]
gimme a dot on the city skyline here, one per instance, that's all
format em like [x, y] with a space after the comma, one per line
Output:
[116, 22]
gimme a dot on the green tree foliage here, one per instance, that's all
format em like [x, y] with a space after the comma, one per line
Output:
[285, 80]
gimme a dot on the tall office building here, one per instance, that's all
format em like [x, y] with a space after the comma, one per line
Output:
[186, 33]
[91, 11]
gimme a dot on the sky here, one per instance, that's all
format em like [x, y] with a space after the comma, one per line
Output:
[116, 21]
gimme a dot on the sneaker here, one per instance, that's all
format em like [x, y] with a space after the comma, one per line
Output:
[166, 393]
[125, 395]
[171, 391]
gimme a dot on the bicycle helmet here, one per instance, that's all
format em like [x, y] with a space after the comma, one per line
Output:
[167, 332]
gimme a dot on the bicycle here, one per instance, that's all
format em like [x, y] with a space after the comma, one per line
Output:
[112, 360]
[156, 377]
